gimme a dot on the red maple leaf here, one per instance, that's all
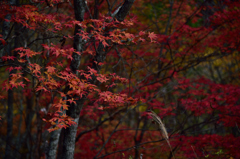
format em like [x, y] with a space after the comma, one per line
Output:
[10, 68]
[50, 69]
[41, 88]
[18, 68]
[152, 36]
[5, 58]
[104, 43]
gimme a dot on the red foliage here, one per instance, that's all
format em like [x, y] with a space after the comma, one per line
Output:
[145, 68]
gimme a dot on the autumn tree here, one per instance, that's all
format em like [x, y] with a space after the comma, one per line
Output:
[129, 79]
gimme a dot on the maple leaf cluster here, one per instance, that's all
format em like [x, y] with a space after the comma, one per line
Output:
[179, 59]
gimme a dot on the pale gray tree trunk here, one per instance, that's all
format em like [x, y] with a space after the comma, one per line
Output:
[75, 109]
[67, 145]
[69, 134]
[51, 149]
[53, 144]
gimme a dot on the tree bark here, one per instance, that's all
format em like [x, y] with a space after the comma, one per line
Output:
[69, 134]
[78, 44]
[5, 33]
[124, 10]
[9, 125]
[53, 144]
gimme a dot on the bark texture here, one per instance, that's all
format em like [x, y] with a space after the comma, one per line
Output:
[122, 13]
[75, 109]
[69, 134]
[5, 33]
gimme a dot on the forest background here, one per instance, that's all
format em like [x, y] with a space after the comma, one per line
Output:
[119, 79]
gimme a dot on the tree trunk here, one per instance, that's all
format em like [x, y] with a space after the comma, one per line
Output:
[75, 109]
[53, 144]
[69, 134]
[5, 33]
